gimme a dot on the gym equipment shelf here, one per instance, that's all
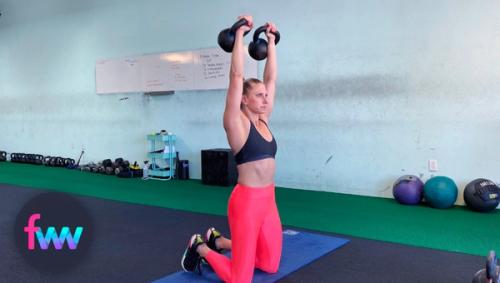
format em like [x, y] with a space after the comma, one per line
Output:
[165, 154]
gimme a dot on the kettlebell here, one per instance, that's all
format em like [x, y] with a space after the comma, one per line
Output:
[227, 36]
[491, 272]
[258, 47]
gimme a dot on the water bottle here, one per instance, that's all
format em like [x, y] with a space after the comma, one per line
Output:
[145, 171]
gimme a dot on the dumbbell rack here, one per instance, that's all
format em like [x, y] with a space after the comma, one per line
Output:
[165, 143]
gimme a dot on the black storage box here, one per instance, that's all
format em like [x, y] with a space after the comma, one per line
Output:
[218, 167]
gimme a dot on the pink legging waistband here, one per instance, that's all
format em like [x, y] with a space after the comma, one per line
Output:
[255, 192]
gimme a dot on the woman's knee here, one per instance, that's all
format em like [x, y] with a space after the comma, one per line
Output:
[270, 268]
[269, 265]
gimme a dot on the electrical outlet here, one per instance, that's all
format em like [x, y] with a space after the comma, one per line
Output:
[433, 165]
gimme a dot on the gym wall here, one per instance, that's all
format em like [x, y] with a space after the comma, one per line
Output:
[367, 90]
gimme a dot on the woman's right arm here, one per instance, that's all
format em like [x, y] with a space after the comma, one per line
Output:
[232, 112]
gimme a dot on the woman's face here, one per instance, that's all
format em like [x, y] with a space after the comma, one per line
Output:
[256, 99]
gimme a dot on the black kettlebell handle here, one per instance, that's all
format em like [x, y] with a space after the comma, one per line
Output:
[226, 37]
[241, 22]
[263, 29]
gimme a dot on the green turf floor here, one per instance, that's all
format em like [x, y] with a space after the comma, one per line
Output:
[456, 229]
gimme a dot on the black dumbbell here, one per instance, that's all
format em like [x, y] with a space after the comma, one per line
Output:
[38, 159]
[121, 169]
[94, 168]
[227, 36]
[124, 166]
[110, 170]
[258, 47]
[30, 158]
[69, 163]
[102, 169]
[107, 163]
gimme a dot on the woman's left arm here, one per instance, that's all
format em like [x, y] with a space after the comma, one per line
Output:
[271, 68]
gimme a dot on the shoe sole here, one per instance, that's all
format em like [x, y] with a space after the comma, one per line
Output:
[207, 235]
[186, 251]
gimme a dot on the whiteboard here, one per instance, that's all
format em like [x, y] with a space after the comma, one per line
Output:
[121, 75]
[202, 69]
[167, 71]
[212, 68]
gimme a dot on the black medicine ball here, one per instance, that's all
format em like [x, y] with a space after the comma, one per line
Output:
[482, 195]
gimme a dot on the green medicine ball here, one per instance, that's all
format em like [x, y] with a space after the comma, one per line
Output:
[440, 192]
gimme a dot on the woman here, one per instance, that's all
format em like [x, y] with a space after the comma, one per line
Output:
[256, 233]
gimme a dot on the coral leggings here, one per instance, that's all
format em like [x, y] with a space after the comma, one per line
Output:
[256, 235]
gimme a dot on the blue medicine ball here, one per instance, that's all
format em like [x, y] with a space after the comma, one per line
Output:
[440, 192]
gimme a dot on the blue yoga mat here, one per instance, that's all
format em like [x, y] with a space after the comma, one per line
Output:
[299, 249]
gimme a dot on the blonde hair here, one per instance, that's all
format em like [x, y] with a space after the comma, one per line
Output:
[249, 83]
[247, 86]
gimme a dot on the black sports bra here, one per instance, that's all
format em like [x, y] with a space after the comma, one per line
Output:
[256, 147]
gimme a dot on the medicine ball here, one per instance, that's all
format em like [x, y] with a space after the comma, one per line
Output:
[408, 189]
[440, 192]
[482, 195]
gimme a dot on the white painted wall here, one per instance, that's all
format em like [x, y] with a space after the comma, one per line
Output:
[368, 90]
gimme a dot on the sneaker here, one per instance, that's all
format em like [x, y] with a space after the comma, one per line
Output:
[191, 259]
[210, 238]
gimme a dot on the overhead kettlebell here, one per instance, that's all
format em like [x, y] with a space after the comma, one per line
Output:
[491, 272]
[258, 47]
[227, 36]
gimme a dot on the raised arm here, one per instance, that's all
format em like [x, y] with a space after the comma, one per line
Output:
[232, 112]
[271, 68]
